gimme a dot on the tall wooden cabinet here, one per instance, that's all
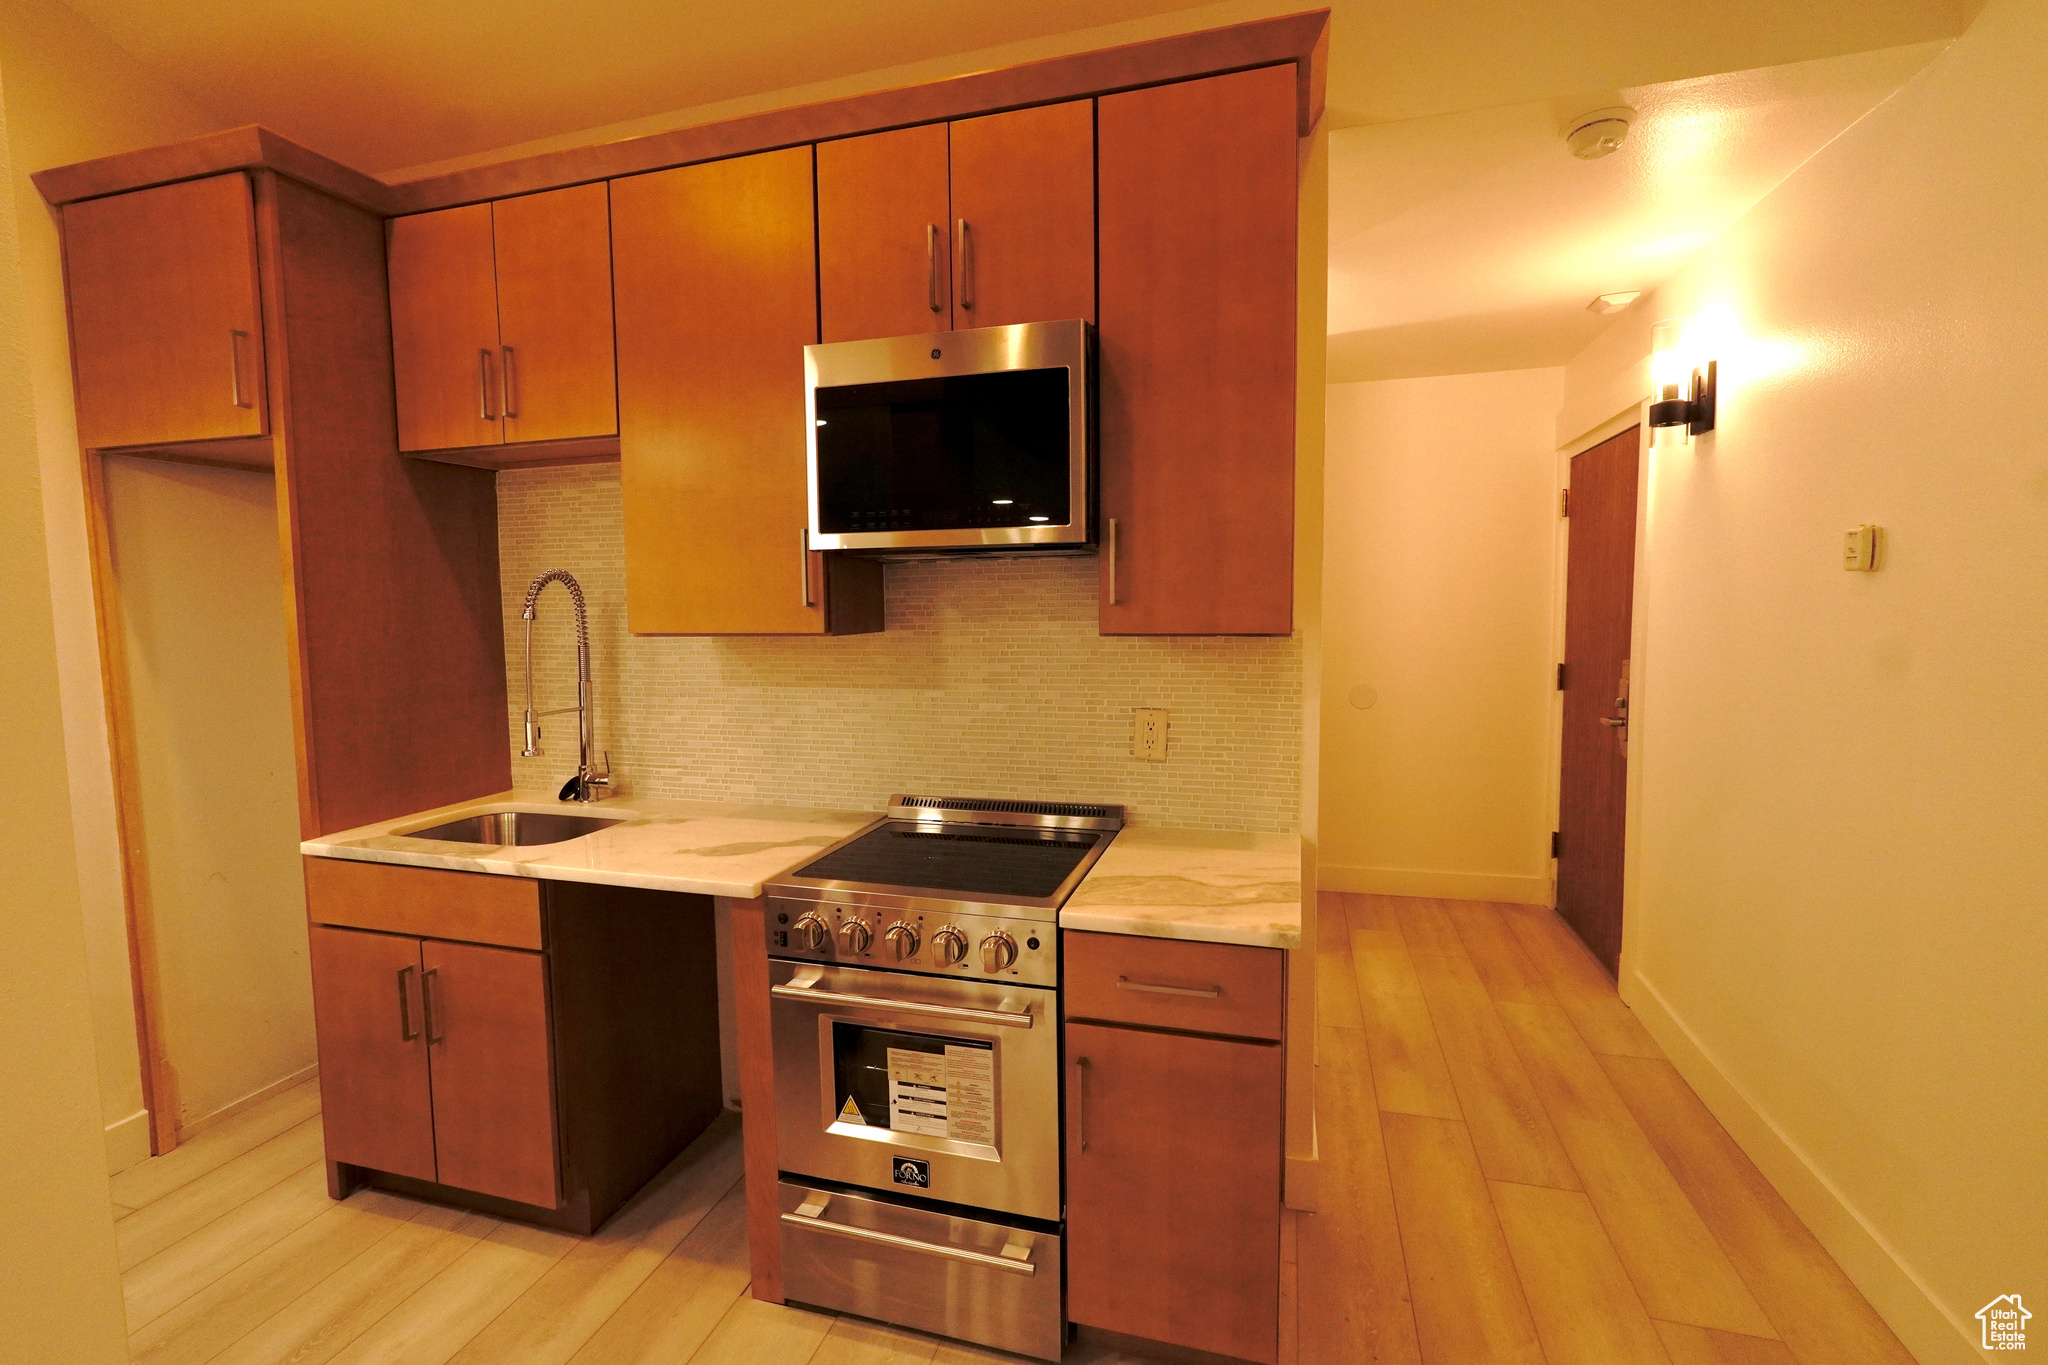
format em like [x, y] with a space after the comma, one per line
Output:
[980, 222]
[717, 297]
[502, 321]
[1198, 242]
[166, 319]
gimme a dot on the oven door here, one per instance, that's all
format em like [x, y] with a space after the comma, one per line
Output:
[935, 1087]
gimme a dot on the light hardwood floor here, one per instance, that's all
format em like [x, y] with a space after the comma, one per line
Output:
[1513, 1173]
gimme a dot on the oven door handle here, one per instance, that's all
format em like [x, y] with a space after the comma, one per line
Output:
[817, 1223]
[1000, 1018]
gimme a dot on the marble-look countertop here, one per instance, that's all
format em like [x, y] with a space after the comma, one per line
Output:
[1194, 884]
[707, 848]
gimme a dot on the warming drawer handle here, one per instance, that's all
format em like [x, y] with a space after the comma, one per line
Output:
[1000, 1018]
[1124, 983]
[981, 1258]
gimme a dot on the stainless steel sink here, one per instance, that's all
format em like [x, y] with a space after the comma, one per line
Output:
[521, 827]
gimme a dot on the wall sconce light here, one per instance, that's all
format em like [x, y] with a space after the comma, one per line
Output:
[1683, 389]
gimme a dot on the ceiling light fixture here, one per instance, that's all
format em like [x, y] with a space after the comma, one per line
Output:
[1600, 133]
[1683, 387]
[1614, 303]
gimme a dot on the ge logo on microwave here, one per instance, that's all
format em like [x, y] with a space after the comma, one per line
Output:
[913, 1172]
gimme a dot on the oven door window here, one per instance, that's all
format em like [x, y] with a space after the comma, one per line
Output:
[924, 1089]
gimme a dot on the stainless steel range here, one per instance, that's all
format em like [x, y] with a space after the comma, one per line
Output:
[915, 981]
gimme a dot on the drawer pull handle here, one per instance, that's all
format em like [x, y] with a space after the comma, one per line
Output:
[1001, 1018]
[1124, 983]
[1014, 1264]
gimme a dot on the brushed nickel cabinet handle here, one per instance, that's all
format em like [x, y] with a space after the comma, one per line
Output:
[483, 386]
[427, 1003]
[511, 385]
[1124, 983]
[966, 268]
[803, 560]
[1109, 549]
[1081, 1100]
[931, 251]
[235, 339]
[406, 1032]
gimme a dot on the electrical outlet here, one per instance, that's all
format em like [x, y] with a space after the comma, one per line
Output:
[1148, 733]
[1862, 547]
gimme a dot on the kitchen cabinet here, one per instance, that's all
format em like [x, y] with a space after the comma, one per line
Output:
[537, 1050]
[501, 317]
[981, 222]
[1197, 189]
[166, 324]
[1174, 1143]
[717, 297]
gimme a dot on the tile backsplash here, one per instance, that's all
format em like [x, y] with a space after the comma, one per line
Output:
[990, 681]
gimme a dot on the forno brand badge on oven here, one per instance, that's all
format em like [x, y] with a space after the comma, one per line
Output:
[913, 1172]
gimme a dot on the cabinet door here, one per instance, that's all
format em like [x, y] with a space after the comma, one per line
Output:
[494, 1094]
[884, 249]
[1024, 216]
[166, 332]
[1197, 210]
[444, 329]
[1173, 1188]
[371, 1026]
[717, 297]
[554, 255]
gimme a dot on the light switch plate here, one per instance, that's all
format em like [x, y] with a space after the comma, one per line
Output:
[1861, 547]
[1148, 733]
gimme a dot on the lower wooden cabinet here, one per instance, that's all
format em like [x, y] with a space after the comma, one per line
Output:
[1174, 1162]
[546, 1078]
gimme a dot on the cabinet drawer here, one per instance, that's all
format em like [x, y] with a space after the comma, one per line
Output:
[474, 907]
[1168, 983]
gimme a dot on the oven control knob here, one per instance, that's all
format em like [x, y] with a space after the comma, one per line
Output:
[810, 933]
[998, 952]
[903, 938]
[856, 935]
[949, 945]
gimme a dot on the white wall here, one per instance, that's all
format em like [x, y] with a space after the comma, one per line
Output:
[1838, 912]
[60, 1291]
[1438, 600]
[71, 95]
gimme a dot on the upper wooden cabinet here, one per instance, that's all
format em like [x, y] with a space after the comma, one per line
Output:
[1198, 242]
[501, 321]
[978, 223]
[166, 330]
[717, 297]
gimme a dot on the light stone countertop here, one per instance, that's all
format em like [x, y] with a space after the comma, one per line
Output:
[1194, 884]
[708, 848]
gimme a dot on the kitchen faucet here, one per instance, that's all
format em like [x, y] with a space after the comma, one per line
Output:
[580, 787]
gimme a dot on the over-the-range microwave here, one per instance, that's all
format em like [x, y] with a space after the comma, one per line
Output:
[954, 440]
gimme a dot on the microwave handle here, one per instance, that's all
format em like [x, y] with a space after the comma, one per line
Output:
[803, 560]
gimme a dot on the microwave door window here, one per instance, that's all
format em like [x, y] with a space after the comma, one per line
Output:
[984, 450]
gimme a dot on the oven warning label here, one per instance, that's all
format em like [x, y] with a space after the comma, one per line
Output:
[944, 1095]
[850, 1113]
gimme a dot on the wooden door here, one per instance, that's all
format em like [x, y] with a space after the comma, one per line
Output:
[1599, 599]
[1024, 216]
[166, 331]
[716, 301]
[494, 1095]
[1197, 239]
[444, 329]
[884, 249]
[554, 269]
[370, 1019]
[1173, 1188]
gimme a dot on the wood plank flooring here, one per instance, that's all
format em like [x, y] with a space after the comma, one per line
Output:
[1511, 1173]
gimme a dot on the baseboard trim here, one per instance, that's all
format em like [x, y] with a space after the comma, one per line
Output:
[1934, 1335]
[193, 1127]
[1453, 886]
[128, 1142]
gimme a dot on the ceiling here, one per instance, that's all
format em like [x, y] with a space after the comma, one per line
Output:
[1475, 241]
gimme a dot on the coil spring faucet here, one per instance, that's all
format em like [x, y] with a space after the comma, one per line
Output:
[585, 785]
